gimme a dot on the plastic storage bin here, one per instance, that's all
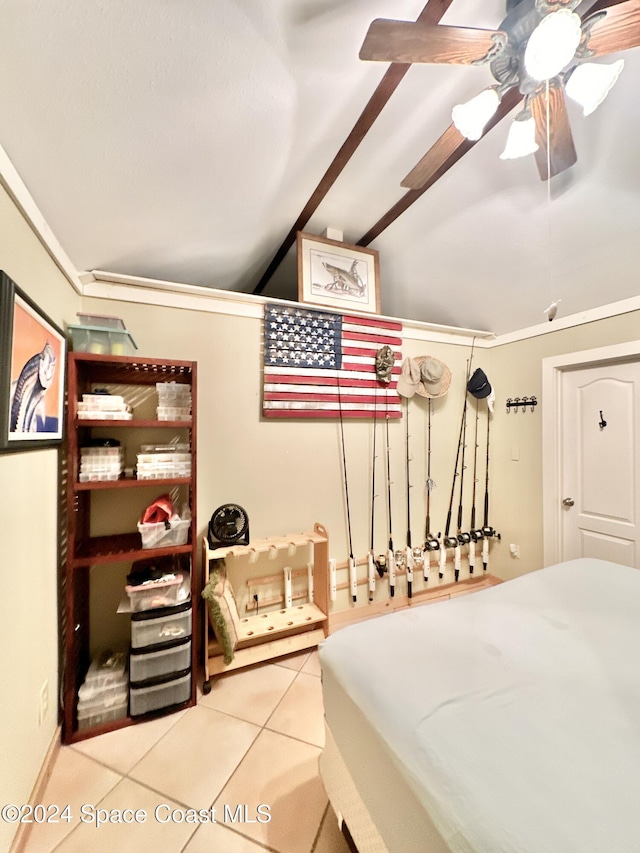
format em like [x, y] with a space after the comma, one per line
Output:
[173, 393]
[107, 669]
[103, 321]
[150, 627]
[174, 413]
[152, 594]
[163, 659]
[104, 695]
[99, 340]
[158, 536]
[146, 696]
[104, 711]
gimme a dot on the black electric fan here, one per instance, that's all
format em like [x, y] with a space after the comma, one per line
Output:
[229, 525]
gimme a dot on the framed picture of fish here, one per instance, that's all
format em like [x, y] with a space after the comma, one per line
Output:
[32, 370]
[337, 275]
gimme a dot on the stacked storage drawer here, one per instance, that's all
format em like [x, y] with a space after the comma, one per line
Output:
[160, 660]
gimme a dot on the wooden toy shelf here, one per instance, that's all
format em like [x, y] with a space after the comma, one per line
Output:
[263, 636]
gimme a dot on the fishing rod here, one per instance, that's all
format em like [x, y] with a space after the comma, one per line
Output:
[487, 531]
[430, 542]
[371, 559]
[353, 580]
[447, 540]
[409, 550]
[391, 563]
[473, 533]
[463, 538]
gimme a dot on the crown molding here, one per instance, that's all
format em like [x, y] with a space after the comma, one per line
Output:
[592, 315]
[22, 198]
[127, 288]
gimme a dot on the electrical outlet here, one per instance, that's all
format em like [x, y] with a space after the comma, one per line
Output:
[43, 707]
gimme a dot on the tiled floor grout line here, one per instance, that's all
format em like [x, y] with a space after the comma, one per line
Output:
[262, 727]
[320, 827]
[280, 700]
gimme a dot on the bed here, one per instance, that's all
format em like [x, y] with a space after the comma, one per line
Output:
[506, 720]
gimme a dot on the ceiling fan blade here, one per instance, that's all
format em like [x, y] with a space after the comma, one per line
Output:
[562, 152]
[414, 41]
[452, 145]
[618, 30]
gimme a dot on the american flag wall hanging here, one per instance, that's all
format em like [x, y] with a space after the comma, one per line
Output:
[319, 364]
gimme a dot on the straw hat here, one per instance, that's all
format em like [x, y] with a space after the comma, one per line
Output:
[435, 377]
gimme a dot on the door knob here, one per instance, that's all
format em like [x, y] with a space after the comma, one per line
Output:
[568, 502]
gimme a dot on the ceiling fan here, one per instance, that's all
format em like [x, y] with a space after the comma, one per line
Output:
[541, 51]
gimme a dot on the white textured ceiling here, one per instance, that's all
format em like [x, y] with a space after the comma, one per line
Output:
[181, 140]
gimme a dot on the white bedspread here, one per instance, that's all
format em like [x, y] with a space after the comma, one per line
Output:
[513, 714]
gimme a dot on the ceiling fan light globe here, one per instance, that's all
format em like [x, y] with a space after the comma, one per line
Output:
[521, 139]
[470, 118]
[552, 45]
[590, 83]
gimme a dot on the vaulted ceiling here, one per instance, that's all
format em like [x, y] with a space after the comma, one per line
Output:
[186, 141]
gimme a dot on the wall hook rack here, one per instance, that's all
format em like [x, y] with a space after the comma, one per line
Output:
[514, 403]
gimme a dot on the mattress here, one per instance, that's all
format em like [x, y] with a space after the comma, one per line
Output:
[506, 720]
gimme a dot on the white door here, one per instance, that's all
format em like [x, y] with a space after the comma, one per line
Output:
[600, 463]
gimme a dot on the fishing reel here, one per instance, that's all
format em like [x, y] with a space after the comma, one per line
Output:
[400, 559]
[381, 564]
[477, 535]
[463, 538]
[418, 557]
[488, 532]
[431, 544]
[450, 541]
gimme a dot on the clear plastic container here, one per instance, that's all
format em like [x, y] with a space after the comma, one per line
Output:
[161, 659]
[169, 390]
[106, 402]
[88, 718]
[92, 695]
[164, 473]
[163, 593]
[144, 698]
[99, 476]
[174, 413]
[162, 458]
[158, 536]
[97, 415]
[101, 452]
[107, 668]
[151, 627]
[101, 463]
[102, 321]
[165, 448]
[99, 340]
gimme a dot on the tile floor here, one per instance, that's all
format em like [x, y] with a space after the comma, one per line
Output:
[249, 749]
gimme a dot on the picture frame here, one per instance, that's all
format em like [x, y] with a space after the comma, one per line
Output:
[33, 353]
[337, 275]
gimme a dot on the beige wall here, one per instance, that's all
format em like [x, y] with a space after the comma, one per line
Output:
[288, 474]
[516, 505]
[28, 555]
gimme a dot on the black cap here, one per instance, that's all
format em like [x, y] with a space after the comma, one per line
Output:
[479, 385]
